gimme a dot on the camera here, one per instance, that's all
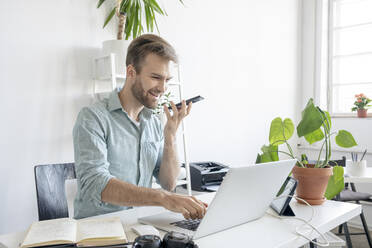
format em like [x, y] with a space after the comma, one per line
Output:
[147, 241]
[170, 240]
[177, 240]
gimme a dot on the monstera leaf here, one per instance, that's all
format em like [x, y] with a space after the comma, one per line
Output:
[312, 119]
[335, 183]
[269, 154]
[280, 130]
[315, 136]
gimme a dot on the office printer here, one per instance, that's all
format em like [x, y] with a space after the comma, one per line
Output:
[207, 176]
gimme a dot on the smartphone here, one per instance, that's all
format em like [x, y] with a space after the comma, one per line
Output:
[193, 100]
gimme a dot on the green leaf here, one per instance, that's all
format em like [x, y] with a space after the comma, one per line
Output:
[328, 118]
[335, 183]
[140, 29]
[148, 16]
[280, 131]
[345, 139]
[125, 6]
[100, 2]
[315, 136]
[129, 27]
[270, 153]
[136, 21]
[154, 5]
[156, 24]
[311, 119]
[258, 159]
[109, 17]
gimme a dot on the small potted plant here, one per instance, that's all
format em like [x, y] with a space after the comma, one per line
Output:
[316, 181]
[165, 99]
[130, 22]
[361, 105]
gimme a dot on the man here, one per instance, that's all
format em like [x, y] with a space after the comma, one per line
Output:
[119, 144]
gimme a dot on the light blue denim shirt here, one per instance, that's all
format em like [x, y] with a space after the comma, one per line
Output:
[108, 144]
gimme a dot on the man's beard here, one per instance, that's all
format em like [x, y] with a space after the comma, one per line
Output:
[140, 94]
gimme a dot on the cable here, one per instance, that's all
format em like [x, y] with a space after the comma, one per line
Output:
[306, 222]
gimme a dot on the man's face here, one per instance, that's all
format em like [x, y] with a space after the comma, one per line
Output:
[151, 83]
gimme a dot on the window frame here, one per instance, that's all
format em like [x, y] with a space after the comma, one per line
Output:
[330, 60]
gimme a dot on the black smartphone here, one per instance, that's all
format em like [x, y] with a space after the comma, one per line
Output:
[193, 100]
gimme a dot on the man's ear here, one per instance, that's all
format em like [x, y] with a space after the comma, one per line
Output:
[131, 71]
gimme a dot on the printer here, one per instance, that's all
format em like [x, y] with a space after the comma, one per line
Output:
[207, 176]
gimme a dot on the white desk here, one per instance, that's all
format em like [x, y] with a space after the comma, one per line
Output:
[265, 232]
[367, 178]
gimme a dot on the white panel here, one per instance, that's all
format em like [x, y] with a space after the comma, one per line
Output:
[351, 12]
[352, 69]
[353, 40]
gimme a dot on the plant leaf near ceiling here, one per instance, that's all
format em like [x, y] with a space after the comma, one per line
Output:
[131, 14]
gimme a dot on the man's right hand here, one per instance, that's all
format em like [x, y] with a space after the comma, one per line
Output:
[188, 206]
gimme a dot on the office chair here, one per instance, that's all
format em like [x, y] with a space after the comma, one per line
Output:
[50, 189]
[352, 195]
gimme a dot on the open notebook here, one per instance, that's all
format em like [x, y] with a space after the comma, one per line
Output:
[82, 233]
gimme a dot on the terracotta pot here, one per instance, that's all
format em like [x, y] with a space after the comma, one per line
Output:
[362, 113]
[312, 183]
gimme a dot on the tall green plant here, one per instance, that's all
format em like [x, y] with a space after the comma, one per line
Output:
[315, 126]
[134, 11]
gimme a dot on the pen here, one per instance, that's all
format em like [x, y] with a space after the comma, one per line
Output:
[363, 155]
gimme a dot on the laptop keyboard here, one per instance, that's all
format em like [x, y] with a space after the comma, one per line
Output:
[187, 224]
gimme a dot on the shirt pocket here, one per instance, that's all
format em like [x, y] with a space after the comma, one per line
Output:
[150, 154]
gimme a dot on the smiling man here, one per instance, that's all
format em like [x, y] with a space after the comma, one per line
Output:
[119, 144]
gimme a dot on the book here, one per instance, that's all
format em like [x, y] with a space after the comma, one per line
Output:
[82, 233]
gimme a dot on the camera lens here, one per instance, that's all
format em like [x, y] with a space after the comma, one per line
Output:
[178, 236]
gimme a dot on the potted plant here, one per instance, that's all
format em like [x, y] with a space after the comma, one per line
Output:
[316, 181]
[165, 99]
[361, 105]
[129, 14]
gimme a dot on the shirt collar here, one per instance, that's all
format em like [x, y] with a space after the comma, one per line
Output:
[114, 101]
[114, 104]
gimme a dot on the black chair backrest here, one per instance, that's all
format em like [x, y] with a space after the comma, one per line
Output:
[50, 189]
[340, 162]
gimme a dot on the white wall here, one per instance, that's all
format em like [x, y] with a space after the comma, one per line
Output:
[243, 58]
[241, 55]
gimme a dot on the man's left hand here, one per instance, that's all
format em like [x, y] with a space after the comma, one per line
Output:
[174, 120]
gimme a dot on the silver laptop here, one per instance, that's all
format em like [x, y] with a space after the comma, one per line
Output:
[244, 195]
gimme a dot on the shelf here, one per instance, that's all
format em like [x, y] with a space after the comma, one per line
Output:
[103, 57]
[109, 77]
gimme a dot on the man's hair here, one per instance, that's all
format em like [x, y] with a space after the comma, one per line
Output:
[145, 44]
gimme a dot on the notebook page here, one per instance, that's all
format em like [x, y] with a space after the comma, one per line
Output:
[51, 230]
[100, 228]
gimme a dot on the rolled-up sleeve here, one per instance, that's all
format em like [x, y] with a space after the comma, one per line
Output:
[91, 165]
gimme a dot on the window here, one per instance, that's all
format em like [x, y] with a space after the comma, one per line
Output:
[349, 70]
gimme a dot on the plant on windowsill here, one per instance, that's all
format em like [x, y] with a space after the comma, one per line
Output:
[317, 181]
[361, 105]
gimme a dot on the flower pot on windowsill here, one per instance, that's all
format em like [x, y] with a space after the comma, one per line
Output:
[312, 183]
[362, 113]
